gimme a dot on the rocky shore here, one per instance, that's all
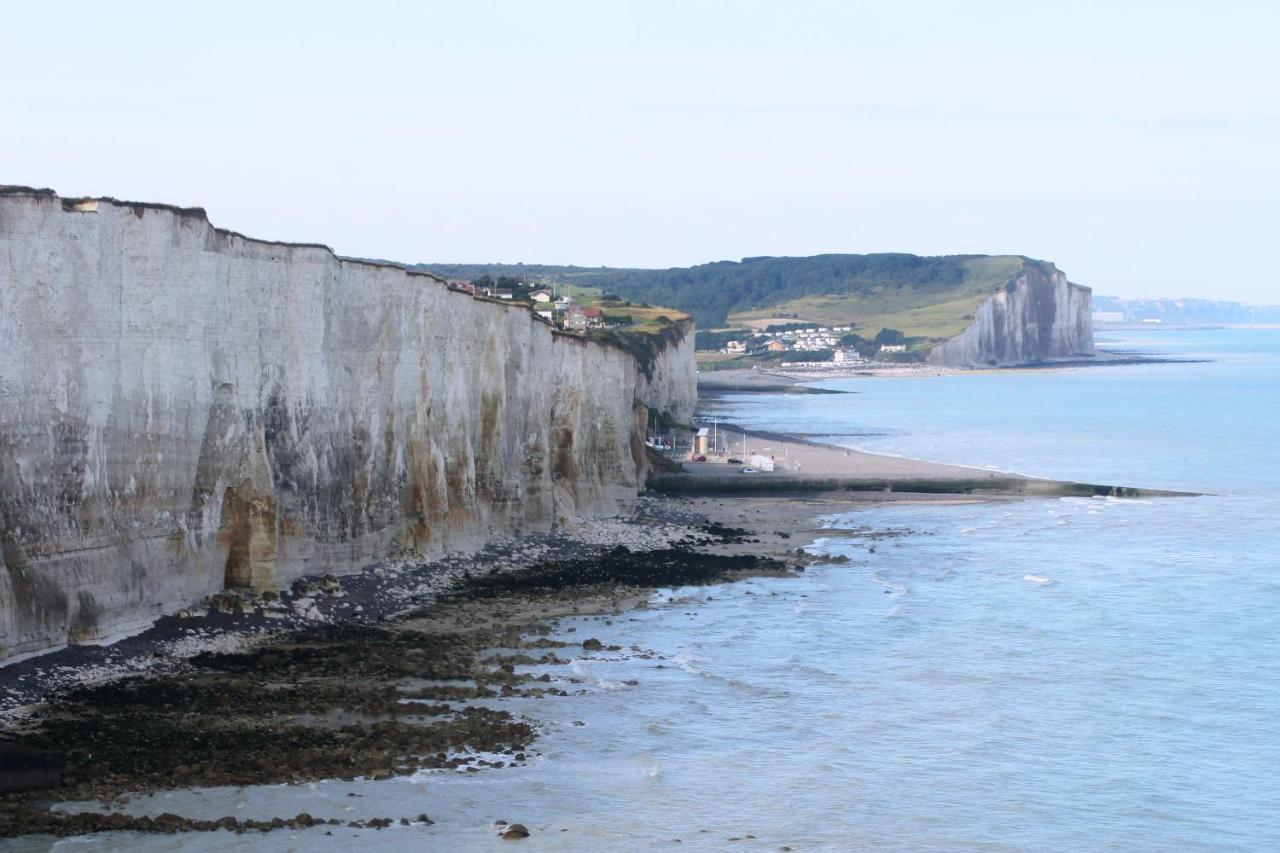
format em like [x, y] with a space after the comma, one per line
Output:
[376, 676]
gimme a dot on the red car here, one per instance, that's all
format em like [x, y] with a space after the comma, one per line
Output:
[698, 457]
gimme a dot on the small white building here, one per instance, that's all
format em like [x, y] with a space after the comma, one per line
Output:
[540, 296]
[702, 441]
[893, 348]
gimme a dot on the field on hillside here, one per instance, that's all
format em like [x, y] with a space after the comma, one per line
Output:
[644, 319]
[928, 312]
[923, 297]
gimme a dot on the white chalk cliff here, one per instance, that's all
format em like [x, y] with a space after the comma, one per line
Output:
[183, 408]
[1038, 316]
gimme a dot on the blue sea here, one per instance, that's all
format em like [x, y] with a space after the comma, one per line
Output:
[1064, 674]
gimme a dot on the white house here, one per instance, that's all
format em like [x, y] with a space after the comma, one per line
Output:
[540, 296]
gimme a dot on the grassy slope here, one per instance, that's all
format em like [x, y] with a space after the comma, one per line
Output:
[932, 298]
[916, 311]
[644, 319]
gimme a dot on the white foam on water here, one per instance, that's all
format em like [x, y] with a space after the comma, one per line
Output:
[582, 667]
[685, 661]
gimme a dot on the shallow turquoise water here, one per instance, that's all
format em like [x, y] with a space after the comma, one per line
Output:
[1046, 675]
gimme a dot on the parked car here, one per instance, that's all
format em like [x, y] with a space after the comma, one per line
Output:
[747, 469]
[698, 457]
[733, 461]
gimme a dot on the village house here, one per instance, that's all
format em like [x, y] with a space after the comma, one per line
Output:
[736, 347]
[540, 296]
[893, 348]
[579, 319]
[776, 346]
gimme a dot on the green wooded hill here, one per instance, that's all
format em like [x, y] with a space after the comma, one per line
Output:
[932, 297]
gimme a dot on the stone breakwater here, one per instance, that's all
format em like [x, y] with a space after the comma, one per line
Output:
[1037, 316]
[184, 409]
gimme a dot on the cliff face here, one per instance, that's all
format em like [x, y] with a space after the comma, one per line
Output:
[183, 408]
[1038, 315]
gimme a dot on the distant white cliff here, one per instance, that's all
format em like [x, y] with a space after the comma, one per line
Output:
[1038, 316]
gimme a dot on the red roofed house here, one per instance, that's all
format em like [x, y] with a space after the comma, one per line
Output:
[580, 319]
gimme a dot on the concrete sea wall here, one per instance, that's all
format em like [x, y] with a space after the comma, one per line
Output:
[1038, 316]
[183, 408]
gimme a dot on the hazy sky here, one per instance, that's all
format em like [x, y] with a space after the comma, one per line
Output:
[1135, 144]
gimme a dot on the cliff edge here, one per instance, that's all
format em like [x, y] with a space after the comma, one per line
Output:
[1038, 316]
[183, 408]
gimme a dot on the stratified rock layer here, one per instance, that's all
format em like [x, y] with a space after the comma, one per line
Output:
[1038, 316]
[183, 408]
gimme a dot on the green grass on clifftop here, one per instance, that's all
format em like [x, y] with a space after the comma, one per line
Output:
[930, 310]
[932, 297]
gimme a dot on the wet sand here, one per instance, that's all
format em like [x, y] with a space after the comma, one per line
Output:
[796, 457]
[801, 467]
[753, 381]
